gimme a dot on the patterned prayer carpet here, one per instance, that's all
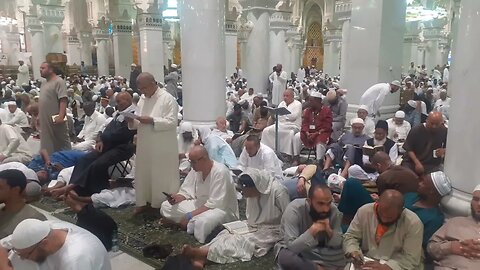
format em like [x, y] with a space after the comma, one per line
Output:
[135, 233]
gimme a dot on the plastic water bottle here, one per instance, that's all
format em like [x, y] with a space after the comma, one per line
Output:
[115, 247]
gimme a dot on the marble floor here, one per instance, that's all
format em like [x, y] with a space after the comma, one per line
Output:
[120, 260]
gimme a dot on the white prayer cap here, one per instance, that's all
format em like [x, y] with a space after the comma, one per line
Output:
[173, 66]
[316, 94]
[33, 189]
[3, 82]
[335, 180]
[185, 127]
[124, 89]
[12, 81]
[363, 107]
[70, 90]
[396, 83]
[331, 94]
[441, 182]
[179, 116]
[9, 78]
[357, 121]
[135, 95]
[400, 114]
[477, 188]
[133, 65]
[336, 85]
[29, 232]
[412, 103]
[11, 103]
[443, 91]
[94, 98]
[24, 84]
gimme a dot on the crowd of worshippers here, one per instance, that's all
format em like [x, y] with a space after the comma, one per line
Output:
[370, 199]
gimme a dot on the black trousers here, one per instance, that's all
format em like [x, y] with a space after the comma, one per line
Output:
[98, 223]
[90, 174]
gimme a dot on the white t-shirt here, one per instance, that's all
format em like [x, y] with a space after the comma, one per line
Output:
[81, 251]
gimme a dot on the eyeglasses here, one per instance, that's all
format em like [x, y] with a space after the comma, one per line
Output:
[196, 161]
[29, 253]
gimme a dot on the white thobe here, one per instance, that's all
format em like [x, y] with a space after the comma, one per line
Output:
[401, 131]
[369, 128]
[265, 159]
[437, 75]
[157, 149]
[92, 126]
[23, 76]
[288, 125]
[217, 192]
[18, 118]
[279, 86]
[446, 74]
[300, 75]
[13, 146]
[264, 214]
[228, 134]
[374, 97]
[441, 103]
[248, 98]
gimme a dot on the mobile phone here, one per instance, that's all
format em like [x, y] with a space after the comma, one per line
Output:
[169, 196]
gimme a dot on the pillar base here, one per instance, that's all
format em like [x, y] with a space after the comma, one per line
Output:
[456, 204]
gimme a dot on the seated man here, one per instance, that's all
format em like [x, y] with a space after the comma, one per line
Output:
[114, 144]
[187, 135]
[206, 198]
[398, 128]
[16, 117]
[338, 106]
[55, 245]
[387, 233]
[380, 139]
[316, 127]
[266, 201]
[312, 237]
[259, 156]
[238, 120]
[455, 245]
[13, 146]
[425, 145]
[305, 176]
[218, 149]
[14, 208]
[362, 113]
[221, 129]
[93, 124]
[288, 125]
[346, 151]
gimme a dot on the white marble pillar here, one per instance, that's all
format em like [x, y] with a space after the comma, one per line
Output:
[461, 163]
[102, 39]
[85, 39]
[370, 60]
[332, 47]
[168, 44]
[37, 44]
[202, 26]
[256, 67]
[431, 55]
[122, 47]
[151, 44]
[230, 47]
[344, 51]
[52, 17]
[73, 50]
[420, 54]
[277, 48]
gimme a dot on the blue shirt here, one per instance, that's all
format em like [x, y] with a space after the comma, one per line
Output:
[432, 218]
[220, 151]
[65, 158]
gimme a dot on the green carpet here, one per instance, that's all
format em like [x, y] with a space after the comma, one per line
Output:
[136, 233]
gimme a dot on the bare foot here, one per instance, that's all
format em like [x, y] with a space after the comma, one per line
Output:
[197, 256]
[141, 209]
[75, 205]
[56, 193]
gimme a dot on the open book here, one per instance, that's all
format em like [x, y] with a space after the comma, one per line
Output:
[238, 227]
[365, 259]
[372, 150]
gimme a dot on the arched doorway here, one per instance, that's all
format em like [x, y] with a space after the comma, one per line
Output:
[314, 46]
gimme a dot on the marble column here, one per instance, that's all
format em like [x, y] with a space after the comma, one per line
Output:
[230, 46]
[410, 45]
[73, 49]
[122, 47]
[151, 43]
[462, 148]
[244, 29]
[343, 51]
[86, 47]
[168, 44]
[370, 60]
[52, 19]
[37, 39]
[102, 39]
[202, 26]
[420, 54]
[294, 49]
[332, 46]
[279, 24]
[257, 49]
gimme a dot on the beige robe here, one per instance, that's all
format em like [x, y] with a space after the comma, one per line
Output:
[157, 149]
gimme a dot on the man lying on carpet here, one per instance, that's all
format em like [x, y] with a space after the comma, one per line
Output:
[206, 199]
[266, 201]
